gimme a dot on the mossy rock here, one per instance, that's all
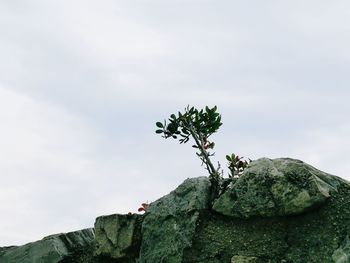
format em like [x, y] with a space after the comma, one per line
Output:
[278, 187]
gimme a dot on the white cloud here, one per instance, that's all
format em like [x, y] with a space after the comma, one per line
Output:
[327, 149]
[43, 152]
[59, 174]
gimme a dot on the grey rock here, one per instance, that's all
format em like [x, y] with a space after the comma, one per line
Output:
[170, 222]
[118, 236]
[4, 249]
[51, 249]
[342, 254]
[277, 187]
[243, 259]
[181, 227]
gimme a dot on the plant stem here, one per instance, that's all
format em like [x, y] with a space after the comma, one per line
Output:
[210, 167]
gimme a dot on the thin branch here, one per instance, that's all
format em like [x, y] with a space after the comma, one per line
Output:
[200, 144]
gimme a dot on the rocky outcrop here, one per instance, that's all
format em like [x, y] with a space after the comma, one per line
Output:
[55, 248]
[170, 223]
[278, 211]
[308, 222]
[118, 237]
[279, 187]
[242, 259]
[342, 254]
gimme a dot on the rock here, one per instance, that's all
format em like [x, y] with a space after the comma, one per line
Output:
[243, 259]
[4, 249]
[278, 187]
[312, 236]
[170, 222]
[192, 195]
[118, 236]
[288, 212]
[52, 249]
[342, 254]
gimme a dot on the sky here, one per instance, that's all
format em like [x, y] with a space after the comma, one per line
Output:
[82, 84]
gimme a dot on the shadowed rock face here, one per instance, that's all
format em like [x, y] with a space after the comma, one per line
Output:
[278, 211]
[118, 236]
[170, 223]
[278, 187]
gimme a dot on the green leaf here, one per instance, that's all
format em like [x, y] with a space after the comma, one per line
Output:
[228, 158]
[185, 131]
[159, 131]
[159, 124]
[172, 127]
[173, 116]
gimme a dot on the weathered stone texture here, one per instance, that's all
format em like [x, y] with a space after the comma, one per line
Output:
[51, 249]
[342, 254]
[278, 211]
[278, 187]
[118, 236]
[244, 259]
[170, 223]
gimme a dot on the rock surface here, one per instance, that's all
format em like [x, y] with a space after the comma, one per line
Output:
[243, 259]
[118, 236]
[278, 187]
[170, 223]
[342, 254]
[52, 249]
[278, 211]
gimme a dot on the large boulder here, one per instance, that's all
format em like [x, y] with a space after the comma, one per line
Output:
[118, 236]
[53, 249]
[316, 233]
[278, 187]
[278, 211]
[170, 223]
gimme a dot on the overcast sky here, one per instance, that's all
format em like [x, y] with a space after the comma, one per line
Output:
[82, 84]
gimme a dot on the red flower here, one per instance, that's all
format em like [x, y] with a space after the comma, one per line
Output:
[143, 208]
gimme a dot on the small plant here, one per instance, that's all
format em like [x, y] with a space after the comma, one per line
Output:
[200, 125]
[236, 165]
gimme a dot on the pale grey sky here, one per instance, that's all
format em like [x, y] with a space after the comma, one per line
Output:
[83, 82]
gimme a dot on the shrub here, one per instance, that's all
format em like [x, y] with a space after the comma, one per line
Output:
[200, 125]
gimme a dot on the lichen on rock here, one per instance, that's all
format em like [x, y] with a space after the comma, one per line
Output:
[278, 187]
